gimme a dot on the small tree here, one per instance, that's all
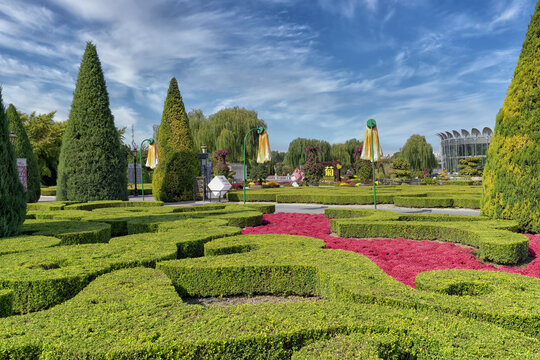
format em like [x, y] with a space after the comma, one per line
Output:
[259, 172]
[418, 153]
[362, 168]
[92, 164]
[313, 169]
[401, 168]
[23, 149]
[178, 165]
[12, 196]
[471, 166]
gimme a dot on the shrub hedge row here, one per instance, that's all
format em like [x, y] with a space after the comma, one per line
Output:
[70, 232]
[408, 196]
[105, 310]
[493, 239]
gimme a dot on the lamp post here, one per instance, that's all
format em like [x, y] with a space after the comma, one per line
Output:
[260, 130]
[149, 141]
[134, 152]
[12, 138]
[371, 124]
[203, 155]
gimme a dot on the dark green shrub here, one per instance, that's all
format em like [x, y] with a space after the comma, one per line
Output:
[92, 164]
[510, 181]
[12, 196]
[178, 166]
[401, 168]
[471, 166]
[23, 149]
[313, 169]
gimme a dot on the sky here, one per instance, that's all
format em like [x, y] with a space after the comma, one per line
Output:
[310, 68]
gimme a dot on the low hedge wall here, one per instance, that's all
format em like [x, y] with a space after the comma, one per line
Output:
[6, 302]
[23, 243]
[69, 232]
[136, 313]
[91, 205]
[423, 202]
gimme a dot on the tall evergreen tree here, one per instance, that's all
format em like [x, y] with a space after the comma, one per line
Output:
[178, 165]
[12, 197]
[511, 178]
[23, 149]
[92, 165]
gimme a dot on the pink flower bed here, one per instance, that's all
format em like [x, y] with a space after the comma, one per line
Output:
[400, 258]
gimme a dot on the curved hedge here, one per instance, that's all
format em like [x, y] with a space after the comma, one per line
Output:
[105, 310]
[492, 238]
[70, 232]
[26, 243]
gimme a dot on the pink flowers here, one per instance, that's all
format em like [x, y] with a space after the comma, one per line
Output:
[400, 258]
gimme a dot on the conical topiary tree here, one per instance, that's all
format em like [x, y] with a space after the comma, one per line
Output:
[12, 197]
[92, 165]
[23, 149]
[511, 180]
[178, 165]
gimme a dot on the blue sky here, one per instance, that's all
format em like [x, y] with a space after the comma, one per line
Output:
[310, 68]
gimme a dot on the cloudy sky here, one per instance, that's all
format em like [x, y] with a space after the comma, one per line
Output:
[310, 68]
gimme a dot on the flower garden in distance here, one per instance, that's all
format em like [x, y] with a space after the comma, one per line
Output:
[113, 279]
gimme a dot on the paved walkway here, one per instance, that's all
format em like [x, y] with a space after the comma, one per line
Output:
[316, 208]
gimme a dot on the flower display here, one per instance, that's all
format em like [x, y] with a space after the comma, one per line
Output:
[400, 258]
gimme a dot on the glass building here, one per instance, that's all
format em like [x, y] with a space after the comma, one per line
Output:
[457, 145]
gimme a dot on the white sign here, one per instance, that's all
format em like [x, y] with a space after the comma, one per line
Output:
[21, 169]
[219, 186]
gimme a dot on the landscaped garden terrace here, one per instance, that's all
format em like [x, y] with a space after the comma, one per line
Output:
[122, 280]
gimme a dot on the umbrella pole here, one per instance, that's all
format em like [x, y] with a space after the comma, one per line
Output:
[373, 168]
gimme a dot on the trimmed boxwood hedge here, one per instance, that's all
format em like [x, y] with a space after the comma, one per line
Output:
[423, 202]
[105, 311]
[25, 243]
[70, 232]
[6, 302]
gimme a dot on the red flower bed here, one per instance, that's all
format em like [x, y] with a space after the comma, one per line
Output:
[400, 258]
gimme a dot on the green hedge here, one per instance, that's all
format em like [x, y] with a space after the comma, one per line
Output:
[69, 232]
[423, 202]
[91, 205]
[6, 302]
[25, 243]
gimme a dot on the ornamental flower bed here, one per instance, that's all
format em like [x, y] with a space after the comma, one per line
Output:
[400, 258]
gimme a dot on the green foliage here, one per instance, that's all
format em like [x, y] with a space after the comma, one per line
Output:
[12, 196]
[260, 171]
[178, 165]
[221, 167]
[401, 168]
[45, 135]
[471, 166]
[510, 181]
[23, 149]
[92, 165]
[296, 155]
[339, 152]
[362, 168]
[418, 153]
[313, 169]
[226, 130]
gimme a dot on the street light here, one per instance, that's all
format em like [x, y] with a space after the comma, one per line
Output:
[12, 138]
[134, 152]
[203, 155]
[260, 130]
[203, 148]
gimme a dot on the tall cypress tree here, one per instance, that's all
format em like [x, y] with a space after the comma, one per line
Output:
[23, 149]
[92, 165]
[178, 165]
[12, 197]
[511, 180]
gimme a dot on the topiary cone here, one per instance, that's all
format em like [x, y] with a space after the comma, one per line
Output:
[511, 179]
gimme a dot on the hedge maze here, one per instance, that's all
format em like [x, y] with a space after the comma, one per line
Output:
[110, 280]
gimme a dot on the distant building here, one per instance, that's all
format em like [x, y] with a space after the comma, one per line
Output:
[456, 146]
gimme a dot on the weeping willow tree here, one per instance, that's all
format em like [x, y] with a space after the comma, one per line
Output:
[296, 155]
[418, 153]
[344, 152]
[225, 130]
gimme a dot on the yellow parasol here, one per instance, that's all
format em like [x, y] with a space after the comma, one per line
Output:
[152, 160]
[372, 150]
[264, 154]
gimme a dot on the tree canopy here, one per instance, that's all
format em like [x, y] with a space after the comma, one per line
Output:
[225, 130]
[296, 155]
[418, 153]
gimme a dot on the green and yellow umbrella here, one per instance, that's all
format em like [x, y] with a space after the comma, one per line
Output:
[372, 150]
